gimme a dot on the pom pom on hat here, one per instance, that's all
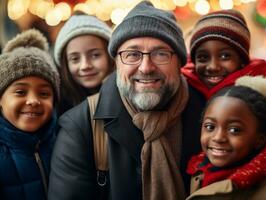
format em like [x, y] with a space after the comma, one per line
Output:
[27, 55]
[257, 83]
[31, 38]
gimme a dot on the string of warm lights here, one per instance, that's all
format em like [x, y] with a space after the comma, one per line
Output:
[55, 11]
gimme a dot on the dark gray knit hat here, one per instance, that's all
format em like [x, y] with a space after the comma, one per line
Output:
[146, 20]
[27, 55]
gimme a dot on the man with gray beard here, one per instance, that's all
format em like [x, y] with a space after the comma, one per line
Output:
[140, 105]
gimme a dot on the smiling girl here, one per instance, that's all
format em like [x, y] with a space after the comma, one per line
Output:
[233, 135]
[81, 56]
[29, 92]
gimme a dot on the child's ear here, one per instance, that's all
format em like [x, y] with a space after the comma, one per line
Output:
[261, 140]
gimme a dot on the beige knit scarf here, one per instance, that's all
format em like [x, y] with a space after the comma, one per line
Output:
[160, 154]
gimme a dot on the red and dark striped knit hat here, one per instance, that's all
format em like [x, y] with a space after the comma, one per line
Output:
[228, 26]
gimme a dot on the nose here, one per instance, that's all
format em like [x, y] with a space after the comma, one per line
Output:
[213, 65]
[146, 66]
[219, 136]
[85, 64]
[33, 101]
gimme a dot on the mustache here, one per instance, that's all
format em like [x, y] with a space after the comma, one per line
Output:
[148, 76]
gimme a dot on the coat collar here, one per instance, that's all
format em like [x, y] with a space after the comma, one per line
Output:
[18, 139]
[117, 121]
[221, 187]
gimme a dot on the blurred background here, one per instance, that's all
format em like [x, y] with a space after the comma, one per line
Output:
[49, 15]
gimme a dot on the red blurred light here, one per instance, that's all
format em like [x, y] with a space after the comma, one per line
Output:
[261, 8]
[70, 2]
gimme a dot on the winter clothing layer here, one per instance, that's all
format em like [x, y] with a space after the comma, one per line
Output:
[144, 20]
[198, 96]
[20, 175]
[245, 181]
[228, 26]
[78, 25]
[73, 173]
[27, 55]
[254, 68]
[162, 133]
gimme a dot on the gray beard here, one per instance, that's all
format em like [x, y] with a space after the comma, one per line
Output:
[148, 99]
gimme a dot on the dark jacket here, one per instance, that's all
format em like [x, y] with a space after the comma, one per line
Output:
[191, 121]
[73, 174]
[20, 175]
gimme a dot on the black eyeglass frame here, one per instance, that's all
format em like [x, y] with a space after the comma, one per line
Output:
[147, 53]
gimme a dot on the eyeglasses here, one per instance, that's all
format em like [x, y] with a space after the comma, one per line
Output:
[158, 57]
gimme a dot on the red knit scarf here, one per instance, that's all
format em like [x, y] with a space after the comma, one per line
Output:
[254, 68]
[243, 176]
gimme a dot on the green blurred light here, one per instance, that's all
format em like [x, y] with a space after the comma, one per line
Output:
[260, 19]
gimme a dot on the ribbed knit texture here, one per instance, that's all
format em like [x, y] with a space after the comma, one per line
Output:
[79, 25]
[146, 21]
[27, 55]
[228, 26]
[160, 154]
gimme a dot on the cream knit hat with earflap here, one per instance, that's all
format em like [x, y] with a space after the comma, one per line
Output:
[27, 55]
[79, 25]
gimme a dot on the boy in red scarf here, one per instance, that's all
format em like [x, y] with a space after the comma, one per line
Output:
[219, 53]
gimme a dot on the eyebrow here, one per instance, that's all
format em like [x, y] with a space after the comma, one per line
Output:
[227, 121]
[89, 50]
[26, 84]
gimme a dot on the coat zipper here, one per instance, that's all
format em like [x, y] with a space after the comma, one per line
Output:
[40, 165]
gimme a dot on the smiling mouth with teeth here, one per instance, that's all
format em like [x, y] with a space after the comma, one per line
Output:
[215, 77]
[31, 114]
[218, 151]
[147, 81]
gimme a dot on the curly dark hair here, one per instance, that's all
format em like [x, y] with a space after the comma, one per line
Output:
[254, 100]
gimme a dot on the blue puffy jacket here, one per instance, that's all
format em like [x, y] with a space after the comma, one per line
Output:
[24, 159]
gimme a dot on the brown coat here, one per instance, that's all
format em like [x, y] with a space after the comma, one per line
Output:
[224, 190]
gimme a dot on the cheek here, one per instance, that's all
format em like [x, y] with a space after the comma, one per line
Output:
[199, 68]
[73, 68]
[49, 106]
[175, 75]
[172, 73]
[10, 111]
[233, 66]
[204, 140]
[103, 66]
[244, 145]
[124, 72]
[11, 104]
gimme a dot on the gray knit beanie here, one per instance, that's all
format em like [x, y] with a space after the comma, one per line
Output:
[79, 25]
[27, 55]
[145, 20]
